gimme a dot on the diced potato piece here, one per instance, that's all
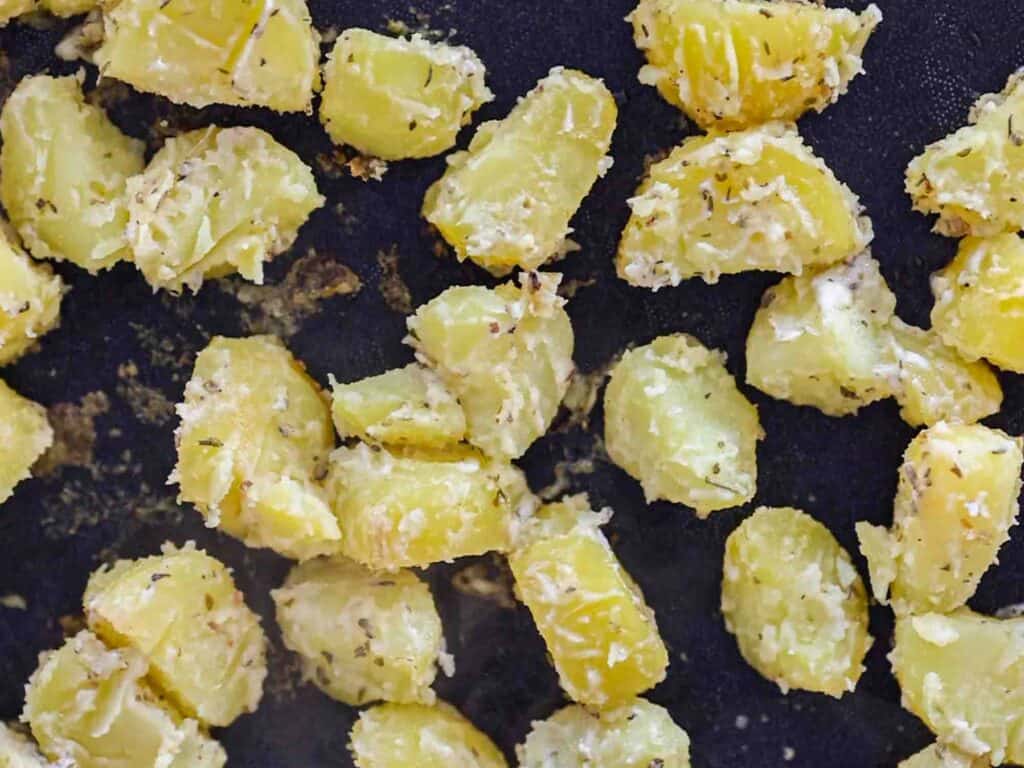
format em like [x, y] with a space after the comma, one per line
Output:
[601, 635]
[406, 406]
[182, 612]
[69, 7]
[963, 674]
[731, 202]
[63, 169]
[506, 353]
[253, 444]
[11, 9]
[943, 756]
[819, 339]
[25, 434]
[416, 508]
[215, 201]
[955, 504]
[795, 603]
[979, 301]
[972, 178]
[30, 297]
[675, 420]
[395, 98]
[507, 201]
[407, 735]
[199, 52]
[89, 706]
[636, 735]
[736, 63]
[936, 383]
[18, 751]
[362, 636]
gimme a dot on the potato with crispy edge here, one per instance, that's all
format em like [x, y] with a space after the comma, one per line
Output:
[724, 203]
[506, 202]
[943, 756]
[25, 434]
[17, 750]
[30, 296]
[795, 603]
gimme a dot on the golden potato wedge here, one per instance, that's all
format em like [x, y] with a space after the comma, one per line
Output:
[25, 434]
[17, 750]
[943, 756]
[30, 296]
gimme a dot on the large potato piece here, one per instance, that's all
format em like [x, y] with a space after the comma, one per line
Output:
[25, 434]
[30, 297]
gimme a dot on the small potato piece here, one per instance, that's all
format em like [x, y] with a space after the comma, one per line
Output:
[731, 64]
[795, 603]
[979, 301]
[675, 420]
[362, 636]
[636, 735]
[506, 353]
[215, 201]
[943, 756]
[63, 170]
[394, 98]
[25, 434]
[415, 735]
[955, 505]
[601, 635]
[507, 201]
[936, 383]
[88, 706]
[18, 751]
[406, 406]
[732, 202]
[30, 297]
[963, 674]
[819, 339]
[11, 9]
[253, 444]
[243, 52]
[182, 612]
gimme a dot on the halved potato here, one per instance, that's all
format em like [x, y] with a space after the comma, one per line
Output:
[25, 434]
[30, 296]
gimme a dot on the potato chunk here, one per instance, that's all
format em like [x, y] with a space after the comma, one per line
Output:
[243, 52]
[601, 635]
[362, 636]
[972, 178]
[63, 171]
[732, 64]
[406, 735]
[675, 420]
[253, 444]
[979, 301]
[11, 9]
[506, 353]
[25, 434]
[30, 297]
[955, 504]
[819, 339]
[406, 406]
[795, 603]
[395, 98]
[507, 201]
[732, 202]
[963, 674]
[637, 734]
[216, 201]
[943, 756]
[182, 612]
[89, 706]
[18, 751]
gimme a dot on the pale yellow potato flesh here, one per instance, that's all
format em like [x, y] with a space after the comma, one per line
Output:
[723, 203]
[30, 296]
[820, 339]
[200, 52]
[25, 434]
[181, 610]
[408, 735]
[253, 444]
[89, 705]
[943, 756]
[506, 202]
[637, 734]
[506, 353]
[955, 504]
[11, 9]
[675, 421]
[731, 64]
[601, 635]
[362, 636]
[18, 751]
[398, 98]
[979, 301]
[795, 603]
[963, 675]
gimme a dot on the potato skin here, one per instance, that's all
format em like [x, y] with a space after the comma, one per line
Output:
[724, 203]
[795, 603]
[25, 434]
[398, 98]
